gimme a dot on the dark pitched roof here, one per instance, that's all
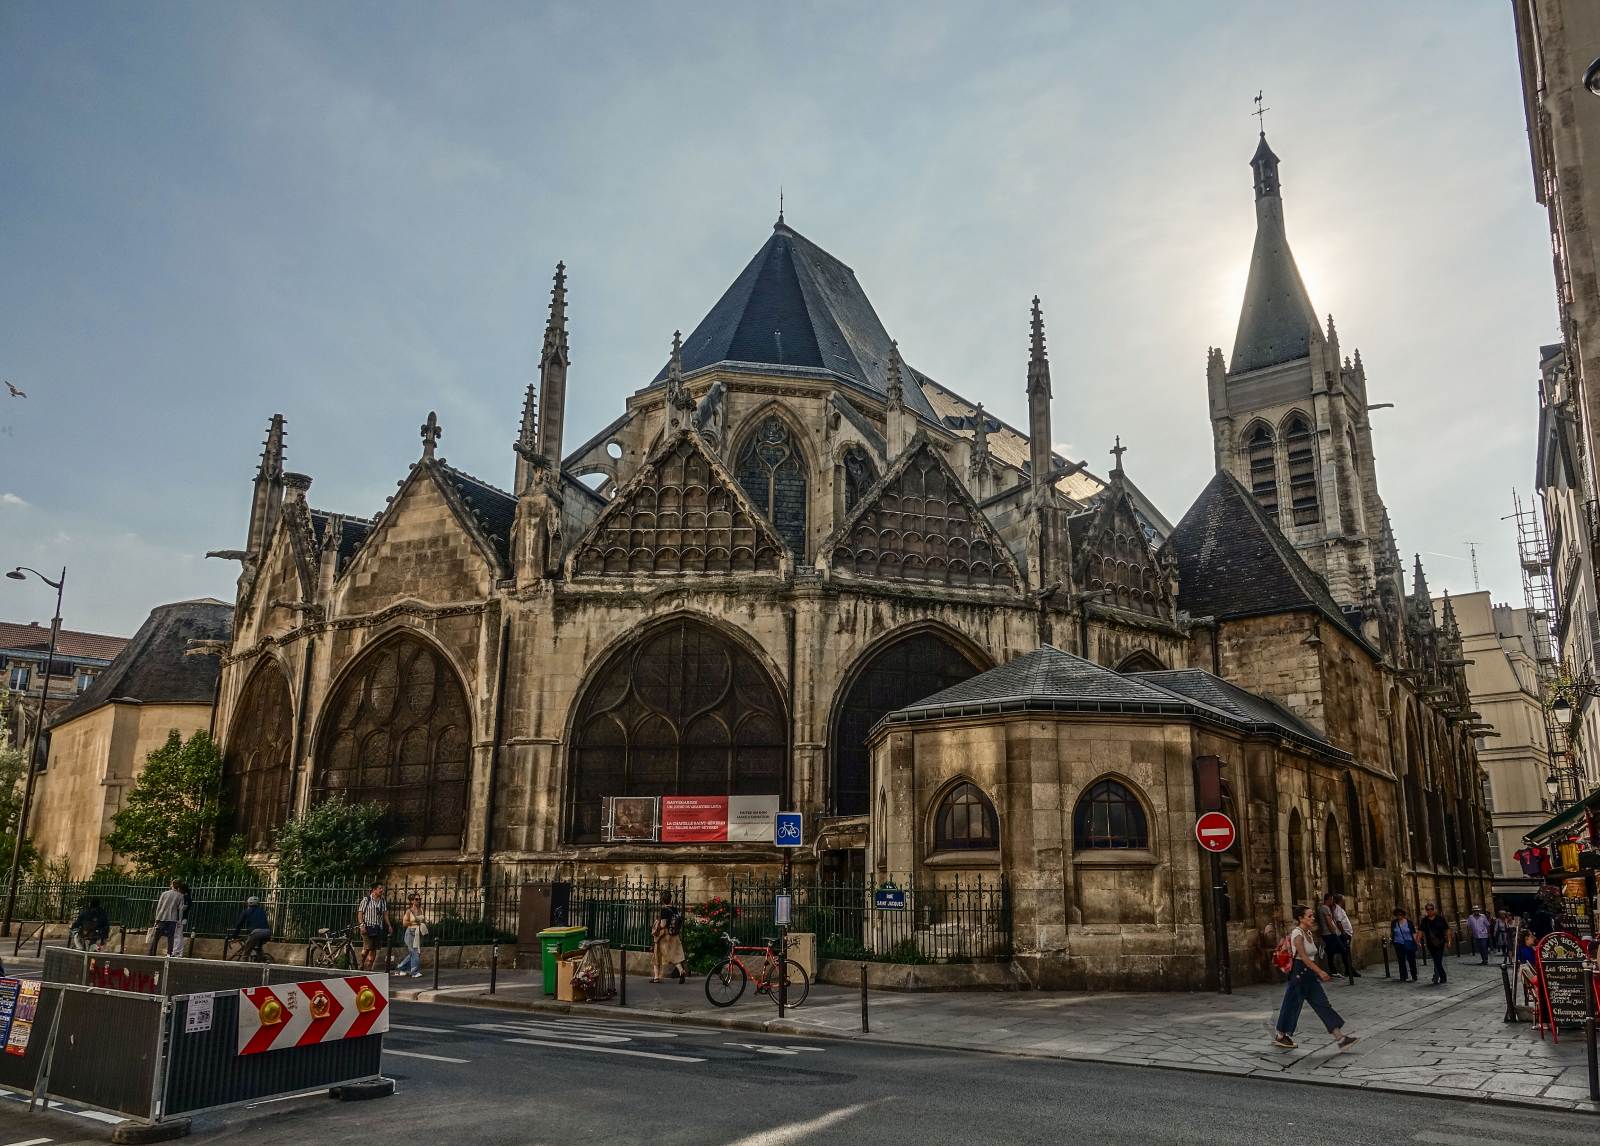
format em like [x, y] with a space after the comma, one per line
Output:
[495, 509]
[1276, 320]
[154, 668]
[797, 305]
[70, 644]
[1234, 562]
[353, 531]
[1257, 712]
[1047, 678]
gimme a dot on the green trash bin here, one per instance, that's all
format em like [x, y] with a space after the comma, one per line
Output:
[552, 942]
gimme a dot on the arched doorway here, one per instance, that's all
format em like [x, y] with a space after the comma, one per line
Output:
[913, 667]
[680, 711]
[255, 768]
[398, 734]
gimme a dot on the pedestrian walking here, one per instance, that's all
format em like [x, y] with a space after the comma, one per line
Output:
[415, 931]
[1327, 929]
[1347, 936]
[666, 948]
[1478, 926]
[1305, 985]
[184, 924]
[91, 928]
[169, 912]
[1404, 938]
[372, 916]
[1436, 936]
[1501, 933]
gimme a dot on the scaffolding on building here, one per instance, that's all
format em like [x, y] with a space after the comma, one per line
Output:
[1538, 590]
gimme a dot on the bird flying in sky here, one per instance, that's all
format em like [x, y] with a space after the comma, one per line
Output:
[15, 393]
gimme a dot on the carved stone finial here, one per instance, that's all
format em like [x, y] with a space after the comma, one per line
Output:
[894, 387]
[431, 433]
[1117, 451]
[296, 485]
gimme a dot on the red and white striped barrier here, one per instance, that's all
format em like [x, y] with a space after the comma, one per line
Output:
[321, 1011]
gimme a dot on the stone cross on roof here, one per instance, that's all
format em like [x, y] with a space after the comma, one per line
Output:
[1117, 451]
[431, 433]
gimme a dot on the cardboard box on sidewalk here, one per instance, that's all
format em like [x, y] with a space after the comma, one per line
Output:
[566, 990]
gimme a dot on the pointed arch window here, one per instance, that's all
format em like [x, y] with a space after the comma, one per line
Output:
[965, 821]
[860, 475]
[772, 471]
[1299, 888]
[680, 711]
[1333, 855]
[1109, 815]
[1141, 660]
[1301, 449]
[1352, 811]
[1262, 456]
[255, 768]
[399, 734]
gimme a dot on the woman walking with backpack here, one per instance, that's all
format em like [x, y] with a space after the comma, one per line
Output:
[1305, 983]
[666, 949]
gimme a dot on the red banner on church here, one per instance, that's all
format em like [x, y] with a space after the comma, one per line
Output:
[694, 819]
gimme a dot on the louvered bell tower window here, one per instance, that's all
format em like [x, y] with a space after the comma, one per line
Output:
[1261, 453]
[1302, 472]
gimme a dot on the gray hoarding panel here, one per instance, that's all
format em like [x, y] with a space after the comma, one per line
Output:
[64, 965]
[205, 1069]
[106, 1050]
[20, 1071]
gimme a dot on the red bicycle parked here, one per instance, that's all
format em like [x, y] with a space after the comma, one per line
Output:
[726, 982]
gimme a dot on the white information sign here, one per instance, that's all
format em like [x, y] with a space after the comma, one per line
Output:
[750, 818]
[197, 1018]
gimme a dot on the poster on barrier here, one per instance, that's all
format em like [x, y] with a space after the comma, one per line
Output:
[9, 989]
[286, 1015]
[197, 1016]
[23, 1010]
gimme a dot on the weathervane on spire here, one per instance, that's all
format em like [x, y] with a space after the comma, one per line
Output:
[780, 204]
[1260, 113]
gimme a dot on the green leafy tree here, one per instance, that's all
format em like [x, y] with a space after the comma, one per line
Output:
[168, 825]
[334, 842]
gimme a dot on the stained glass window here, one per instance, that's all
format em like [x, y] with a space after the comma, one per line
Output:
[772, 472]
[965, 820]
[255, 767]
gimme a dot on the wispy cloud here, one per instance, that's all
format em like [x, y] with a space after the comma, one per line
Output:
[11, 499]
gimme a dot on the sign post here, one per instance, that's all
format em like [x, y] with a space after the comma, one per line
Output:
[1216, 834]
[787, 833]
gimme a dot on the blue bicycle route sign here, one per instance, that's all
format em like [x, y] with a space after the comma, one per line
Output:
[786, 829]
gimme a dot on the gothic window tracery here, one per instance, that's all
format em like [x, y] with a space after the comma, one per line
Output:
[681, 518]
[912, 668]
[965, 821]
[1109, 815]
[255, 769]
[860, 475]
[1261, 454]
[922, 529]
[1301, 451]
[772, 471]
[681, 711]
[399, 734]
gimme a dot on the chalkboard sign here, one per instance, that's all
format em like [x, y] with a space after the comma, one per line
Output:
[1562, 979]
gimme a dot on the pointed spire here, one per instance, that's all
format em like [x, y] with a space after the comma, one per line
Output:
[1419, 581]
[1276, 321]
[431, 433]
[895, 388]
[675, 370]
[1333, 335]
[1039, 451]
[271, 466]
[1038, 362]
[1265, 165]
[680, 403]
[553, 362]
[1452, 630]
[528, 434]
[980, 432]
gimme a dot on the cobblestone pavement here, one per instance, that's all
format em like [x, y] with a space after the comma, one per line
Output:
[1448, 1040]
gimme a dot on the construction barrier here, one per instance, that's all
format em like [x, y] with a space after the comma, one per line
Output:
[157, 1054]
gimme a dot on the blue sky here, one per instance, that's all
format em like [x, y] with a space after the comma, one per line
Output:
[349, 213]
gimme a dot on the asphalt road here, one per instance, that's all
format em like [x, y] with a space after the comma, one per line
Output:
[468, 1075]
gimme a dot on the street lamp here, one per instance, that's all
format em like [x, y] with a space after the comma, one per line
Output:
[1552, 784]
[20, 574]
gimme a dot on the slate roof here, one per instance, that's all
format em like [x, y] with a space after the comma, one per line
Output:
[1233, 561]
[352, 533]
[1277, 318]
[494, 508]
[1051, 679]
[71, 644]
[796, 305]
[154, 667]
[1257, 712]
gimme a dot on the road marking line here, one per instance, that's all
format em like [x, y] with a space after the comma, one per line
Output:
[429, 1057]
[539, 1028]
[424, 1030]
[798, 1047]
[455, 990]
[31, 1142]
[606, 1050]
[101, 1116]
[286, 1098]
[616, 1028]
[759, 1049]
[1448, 1139]
[794, 1133]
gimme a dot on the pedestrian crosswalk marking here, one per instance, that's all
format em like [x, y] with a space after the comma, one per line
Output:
[429, 1057]
[609, 1050]
[30, 1142]
[1434, 1136]
[422, 1030]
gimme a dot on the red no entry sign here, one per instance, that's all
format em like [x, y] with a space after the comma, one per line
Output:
[1214, 831]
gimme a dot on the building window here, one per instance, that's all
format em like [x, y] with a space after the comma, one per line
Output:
[85, 679]
[1302, 471]
[255, 768]
[17, 678]
[1109, 816]
[682, 711]
[1299, 887]
[966, 820]
[860, 475]
[1352, 811]
[772, 472]
[1333, 855]
[1261, 453]
[399, 734]
[912, 668]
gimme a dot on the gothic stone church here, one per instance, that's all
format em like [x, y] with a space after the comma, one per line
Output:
[795, 564]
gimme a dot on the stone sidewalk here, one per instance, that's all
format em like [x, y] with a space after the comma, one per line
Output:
[1449, 1041]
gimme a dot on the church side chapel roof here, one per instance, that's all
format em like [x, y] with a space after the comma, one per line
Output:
[1233, 561]
[1263, 715]
[794, 304]
[155, 667]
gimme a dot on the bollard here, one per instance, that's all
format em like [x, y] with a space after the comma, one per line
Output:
[122, 940]
[622, 998]
[1384, 945]
[38, 948]
[1511, 1000]
[435, 960]
[864, 1027]
[494, 967]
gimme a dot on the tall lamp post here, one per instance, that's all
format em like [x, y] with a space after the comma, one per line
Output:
[20, 573]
